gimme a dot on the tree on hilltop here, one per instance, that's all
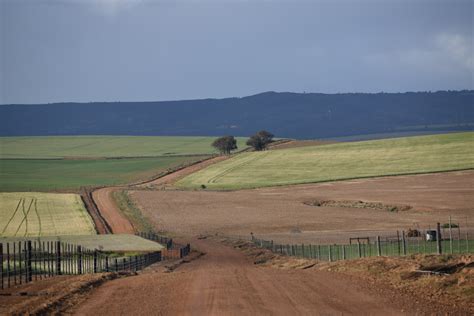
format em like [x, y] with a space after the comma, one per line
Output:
[260, 140]
[225, 144]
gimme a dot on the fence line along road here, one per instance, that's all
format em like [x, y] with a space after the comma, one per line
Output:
[400, 244]
[32, 260]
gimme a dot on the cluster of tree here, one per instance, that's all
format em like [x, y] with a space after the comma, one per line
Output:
[259, 141]
[225, 144]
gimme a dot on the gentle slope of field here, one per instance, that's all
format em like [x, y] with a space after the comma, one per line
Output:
[48, 147]
[26, 214]
[408, 155]
[52, 175]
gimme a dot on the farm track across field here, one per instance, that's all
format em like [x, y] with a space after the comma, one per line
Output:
[110, 212]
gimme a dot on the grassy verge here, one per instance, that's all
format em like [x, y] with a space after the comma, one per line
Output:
[132, 212]
[340, 161]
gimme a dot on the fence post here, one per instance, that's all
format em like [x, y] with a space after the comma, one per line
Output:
[330, 254]
[29, 276]
[79, 260]
[404, 246]
[379, 250]
[95, 261]
[343, 252]
[1, 264]
[467, 242]
[358, 248]
[398, 241]
[58, 257]
[439, 249]
[450, 237]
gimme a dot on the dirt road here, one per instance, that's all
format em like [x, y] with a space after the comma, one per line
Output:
[109, 210]
[225, 282]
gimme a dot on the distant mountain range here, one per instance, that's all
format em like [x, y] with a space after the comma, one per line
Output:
[295, 115]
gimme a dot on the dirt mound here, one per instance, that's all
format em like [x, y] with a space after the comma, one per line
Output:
[50, 296]
[360, 204]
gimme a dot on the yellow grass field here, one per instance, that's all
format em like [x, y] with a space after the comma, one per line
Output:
[33, 214]
[340, 161]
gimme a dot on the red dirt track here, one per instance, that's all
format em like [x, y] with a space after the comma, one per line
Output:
[110, 211]
[225, 282]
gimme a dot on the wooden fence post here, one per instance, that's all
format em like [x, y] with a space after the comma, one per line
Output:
[330, 254]
[343, 252]
[95, 261]
[450, 236]
[398, 242]
[58, 257]
[29, 276]
[379, 250]
[359, 249]
[439, 249]
[1, 265]
[79, 260]
[404, 245]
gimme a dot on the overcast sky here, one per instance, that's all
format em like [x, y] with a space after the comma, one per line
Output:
[134, 50]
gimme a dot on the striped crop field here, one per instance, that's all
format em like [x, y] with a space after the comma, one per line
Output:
[340, 161]
[33, 214]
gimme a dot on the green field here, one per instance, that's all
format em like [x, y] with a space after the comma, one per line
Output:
[25, 214]
[52, 175]
[111, 242]
[48, 147]
[407, 155]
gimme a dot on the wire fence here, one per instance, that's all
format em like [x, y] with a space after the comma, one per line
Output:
[32, 260]
[439, 241]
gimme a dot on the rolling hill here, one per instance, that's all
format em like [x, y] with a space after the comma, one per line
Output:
[295, 115]
[340, 161]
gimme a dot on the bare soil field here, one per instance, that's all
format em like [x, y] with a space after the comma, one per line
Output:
[110, 211]
[278, 212]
